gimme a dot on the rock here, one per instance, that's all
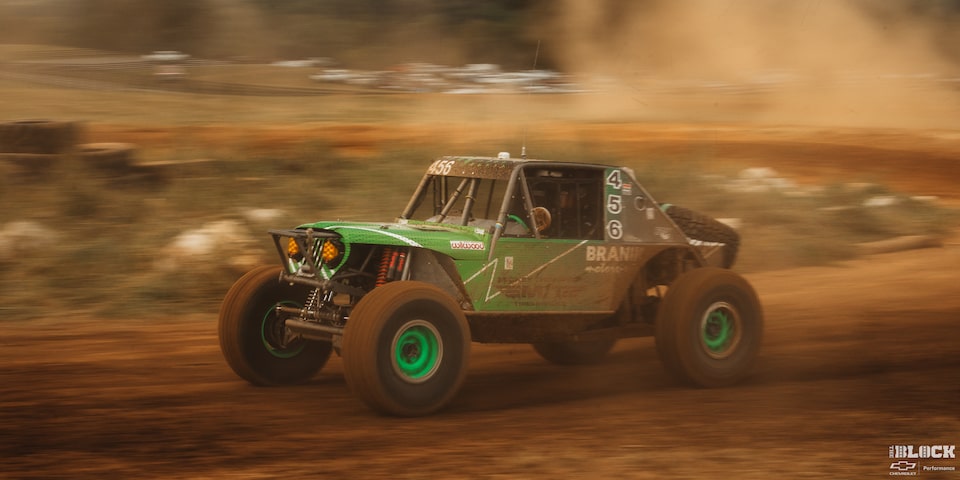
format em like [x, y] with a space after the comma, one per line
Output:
[224, 242]
[881, 201]
[263, 215]
[20, 238]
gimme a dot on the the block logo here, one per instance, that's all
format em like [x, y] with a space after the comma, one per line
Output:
[923, 451]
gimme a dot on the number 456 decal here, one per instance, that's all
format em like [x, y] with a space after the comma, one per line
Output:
[614, 229]
[441, 167]
[614, 203]
[615, 179]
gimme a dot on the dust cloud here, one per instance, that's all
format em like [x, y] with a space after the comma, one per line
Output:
[825, 62]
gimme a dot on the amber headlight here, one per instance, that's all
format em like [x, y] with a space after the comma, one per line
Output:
[331, 253]
[293, 249]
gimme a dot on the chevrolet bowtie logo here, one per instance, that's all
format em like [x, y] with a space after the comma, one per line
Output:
[903, 465]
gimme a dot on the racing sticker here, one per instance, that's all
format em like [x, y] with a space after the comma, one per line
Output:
[466, 245]
[441, 167]
[615, 229]
[614, 202]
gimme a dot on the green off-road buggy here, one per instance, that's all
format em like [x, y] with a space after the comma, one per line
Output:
[568, 257]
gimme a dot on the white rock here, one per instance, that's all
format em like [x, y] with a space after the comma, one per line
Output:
[221, 241]
[758, 173]
[21, 237]
[881, 201]
[263, 215]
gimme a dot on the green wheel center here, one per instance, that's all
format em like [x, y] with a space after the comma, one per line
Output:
[719, 330]
[417, 351]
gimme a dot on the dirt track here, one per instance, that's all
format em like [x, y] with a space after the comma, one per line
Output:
[857, 357]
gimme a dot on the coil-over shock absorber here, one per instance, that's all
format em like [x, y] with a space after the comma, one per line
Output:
[392, 261]
[384, 267]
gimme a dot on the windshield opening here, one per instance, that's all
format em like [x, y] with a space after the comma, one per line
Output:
[445, 199]
[450, 197]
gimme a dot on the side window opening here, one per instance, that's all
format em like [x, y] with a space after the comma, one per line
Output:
[574, 200]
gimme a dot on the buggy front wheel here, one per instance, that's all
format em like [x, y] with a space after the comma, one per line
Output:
[405, 348]
[253, 337]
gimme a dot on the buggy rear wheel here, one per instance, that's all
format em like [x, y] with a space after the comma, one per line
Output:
[709, 328]
[253, 337]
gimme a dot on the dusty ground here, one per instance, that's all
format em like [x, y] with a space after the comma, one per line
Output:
[857, 357]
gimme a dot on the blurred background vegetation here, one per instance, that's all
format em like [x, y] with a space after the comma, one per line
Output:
[109, 242]
[367, 33]
[106, 238]
[362, 33]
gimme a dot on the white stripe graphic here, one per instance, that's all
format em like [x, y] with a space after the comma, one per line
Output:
[383, 232]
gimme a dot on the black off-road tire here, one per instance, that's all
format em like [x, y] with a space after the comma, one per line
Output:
[709, 328]
[405, 349]
[575, 353]
[704, 228]
[249, 330]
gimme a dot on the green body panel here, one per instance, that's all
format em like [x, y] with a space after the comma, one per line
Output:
[459, 243]
[526, 274]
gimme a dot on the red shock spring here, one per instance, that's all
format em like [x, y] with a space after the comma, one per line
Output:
[384, 265]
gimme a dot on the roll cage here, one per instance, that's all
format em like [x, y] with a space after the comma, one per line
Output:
[512, 197]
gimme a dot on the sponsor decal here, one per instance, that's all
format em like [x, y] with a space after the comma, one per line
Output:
[908, 457]
[701, 243]
[466, 245]
[606, 268]
[616, 253]
[939, 468]
[923, 451]
[899, 468]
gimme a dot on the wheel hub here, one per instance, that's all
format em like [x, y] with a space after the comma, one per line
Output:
[276, 337]
[416, 351]
[720, 330]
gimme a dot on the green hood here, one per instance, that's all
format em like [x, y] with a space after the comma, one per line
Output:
[458, 242]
